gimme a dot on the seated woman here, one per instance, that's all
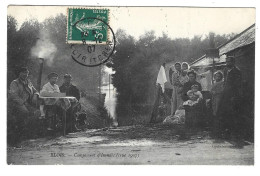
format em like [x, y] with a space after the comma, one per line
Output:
[194, 96]
[193, 108]
[187, 86]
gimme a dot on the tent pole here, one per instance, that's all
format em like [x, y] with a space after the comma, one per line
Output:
[213, 68]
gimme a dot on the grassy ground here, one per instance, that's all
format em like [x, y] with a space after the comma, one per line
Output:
[92, 106]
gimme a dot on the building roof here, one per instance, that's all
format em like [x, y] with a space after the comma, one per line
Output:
[243, 39]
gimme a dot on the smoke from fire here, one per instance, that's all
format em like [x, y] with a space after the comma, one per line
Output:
[44, 48]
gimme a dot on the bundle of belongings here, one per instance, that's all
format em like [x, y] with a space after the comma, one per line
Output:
[177, 118]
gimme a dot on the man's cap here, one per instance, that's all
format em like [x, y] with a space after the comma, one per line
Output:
[195, 85]
[67, 76]
[52, 74]
[231, 57]
[22, 69]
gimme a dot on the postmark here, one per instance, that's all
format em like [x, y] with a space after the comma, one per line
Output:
[95, 54]
[87, 26]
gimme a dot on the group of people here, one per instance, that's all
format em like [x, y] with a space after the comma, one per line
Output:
[217, 108]
[24, 104]
[49, 89]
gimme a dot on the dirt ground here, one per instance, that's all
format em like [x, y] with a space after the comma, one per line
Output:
[152, 144]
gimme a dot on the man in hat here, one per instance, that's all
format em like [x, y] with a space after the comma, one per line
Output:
[21, 99]
[229, 110]
[70, 90]
[22, 92]
[51, 86]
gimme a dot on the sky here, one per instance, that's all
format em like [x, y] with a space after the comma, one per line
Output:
[177, 22]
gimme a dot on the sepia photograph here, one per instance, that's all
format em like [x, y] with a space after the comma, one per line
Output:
[130, 85]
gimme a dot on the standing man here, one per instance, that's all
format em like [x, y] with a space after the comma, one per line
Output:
[22, 96]
[229, 110]
[70, 90]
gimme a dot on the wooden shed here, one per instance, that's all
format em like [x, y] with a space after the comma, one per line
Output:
[242, 47]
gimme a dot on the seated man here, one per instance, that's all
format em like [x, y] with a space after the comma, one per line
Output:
[70, 90]
[51, 86]
[21, 97]
[47, 90]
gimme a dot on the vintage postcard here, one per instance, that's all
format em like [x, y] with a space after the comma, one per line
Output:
[113, 85]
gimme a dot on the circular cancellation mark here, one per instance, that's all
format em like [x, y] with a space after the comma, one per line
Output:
[91, 55]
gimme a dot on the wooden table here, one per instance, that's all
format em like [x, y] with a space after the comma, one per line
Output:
[64, 103]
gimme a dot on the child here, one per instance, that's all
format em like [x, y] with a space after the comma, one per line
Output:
[194, 96]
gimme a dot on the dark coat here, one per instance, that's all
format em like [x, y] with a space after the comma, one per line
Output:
[21, 92]
[232, 82]
[231, 98]
[187, 87]
[70, 90]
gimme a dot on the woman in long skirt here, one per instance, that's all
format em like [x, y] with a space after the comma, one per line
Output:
[217, 92]
[179, 77]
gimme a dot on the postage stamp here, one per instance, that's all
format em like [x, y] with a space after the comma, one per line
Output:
[87, 26]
